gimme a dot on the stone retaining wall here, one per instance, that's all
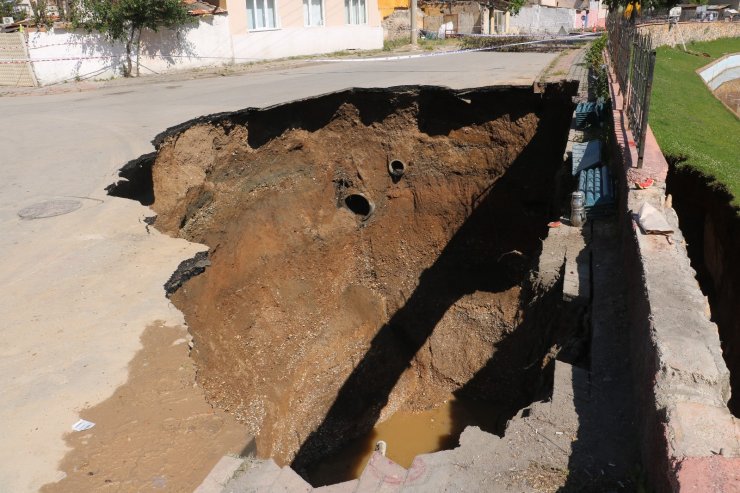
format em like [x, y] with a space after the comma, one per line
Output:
[398, 25]
[664, 34]
[690, 441]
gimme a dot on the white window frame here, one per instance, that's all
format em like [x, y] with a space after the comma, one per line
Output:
[499, 22]
[348, 17]
[249, 15]
[322, 21]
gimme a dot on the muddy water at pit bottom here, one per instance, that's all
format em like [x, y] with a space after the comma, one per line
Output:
[407, 435]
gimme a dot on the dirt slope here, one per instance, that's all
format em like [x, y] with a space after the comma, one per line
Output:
[312, 313]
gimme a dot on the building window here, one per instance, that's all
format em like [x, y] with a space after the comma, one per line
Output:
[261, 14]
[354, 11]
[499, 22]
[313, 12]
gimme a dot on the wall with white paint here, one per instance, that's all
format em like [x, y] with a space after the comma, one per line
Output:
[298, 41]
[59, 55]
[539, 19]
[723, 70]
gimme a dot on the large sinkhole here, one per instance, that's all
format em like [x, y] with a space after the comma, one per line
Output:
[340, 294]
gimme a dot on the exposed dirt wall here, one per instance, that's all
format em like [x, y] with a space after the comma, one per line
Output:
[711, 226]
[409, 302]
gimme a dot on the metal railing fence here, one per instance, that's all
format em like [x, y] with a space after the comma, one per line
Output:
[633, 60]
[619, 45]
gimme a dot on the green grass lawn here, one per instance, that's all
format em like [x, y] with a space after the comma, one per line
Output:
[688, 121]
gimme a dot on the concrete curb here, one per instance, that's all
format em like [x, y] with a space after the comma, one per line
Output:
[221, 473]
[691, 442]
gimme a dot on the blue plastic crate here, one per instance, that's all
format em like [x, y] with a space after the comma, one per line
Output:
[585, 155]
[596, 185]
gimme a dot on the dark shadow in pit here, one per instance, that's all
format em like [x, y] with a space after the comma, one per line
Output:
[474, 108]
[492, 251]
[137, 180]
[519, 373]
[374, 105]
[605, 455]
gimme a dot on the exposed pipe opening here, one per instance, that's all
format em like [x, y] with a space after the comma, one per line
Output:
[396, 168]
[359, 204]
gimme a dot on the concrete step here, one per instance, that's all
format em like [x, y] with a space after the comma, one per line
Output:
[381, 474]
[428, 472]
[220, 475]
[254, 476]
[288, 481]
[346, 487]
[571, 387]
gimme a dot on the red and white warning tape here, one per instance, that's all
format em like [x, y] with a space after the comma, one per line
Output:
[34, 60]
[320, 60]
[453, 52]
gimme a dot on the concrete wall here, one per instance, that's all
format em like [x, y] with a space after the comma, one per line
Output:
[723, 70]
[387, 7]
[290, 15]
[539, 19]
[398, 24]
[472, 17]
[663, 34]
[595, 16]
[294, 41]
[292, 38]
[61, 55]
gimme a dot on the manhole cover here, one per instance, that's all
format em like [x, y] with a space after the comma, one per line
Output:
[50, 208]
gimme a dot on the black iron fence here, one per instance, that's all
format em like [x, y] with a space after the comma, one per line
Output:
[633, 60]
[619, 45]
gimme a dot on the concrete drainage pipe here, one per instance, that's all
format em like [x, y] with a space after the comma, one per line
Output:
[396, 168]
[359, 204]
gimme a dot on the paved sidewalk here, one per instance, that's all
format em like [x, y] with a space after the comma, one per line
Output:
[579, 71]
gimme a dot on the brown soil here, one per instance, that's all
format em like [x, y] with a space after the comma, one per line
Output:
[711, 226]
[313, 321]
[156, 433]
[729, 94]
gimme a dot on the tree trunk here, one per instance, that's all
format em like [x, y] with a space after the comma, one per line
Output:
[127, 66]
[138, 50]
[129, 41]
[63, 11]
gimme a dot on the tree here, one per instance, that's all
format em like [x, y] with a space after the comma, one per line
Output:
[40, 13]
[644, 4]
[124, 20]
[511, 6]
[10, 8]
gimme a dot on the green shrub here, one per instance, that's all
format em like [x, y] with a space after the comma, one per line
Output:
[595, 60]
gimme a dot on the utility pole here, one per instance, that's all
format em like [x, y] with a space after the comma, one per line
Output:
[414, 31]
